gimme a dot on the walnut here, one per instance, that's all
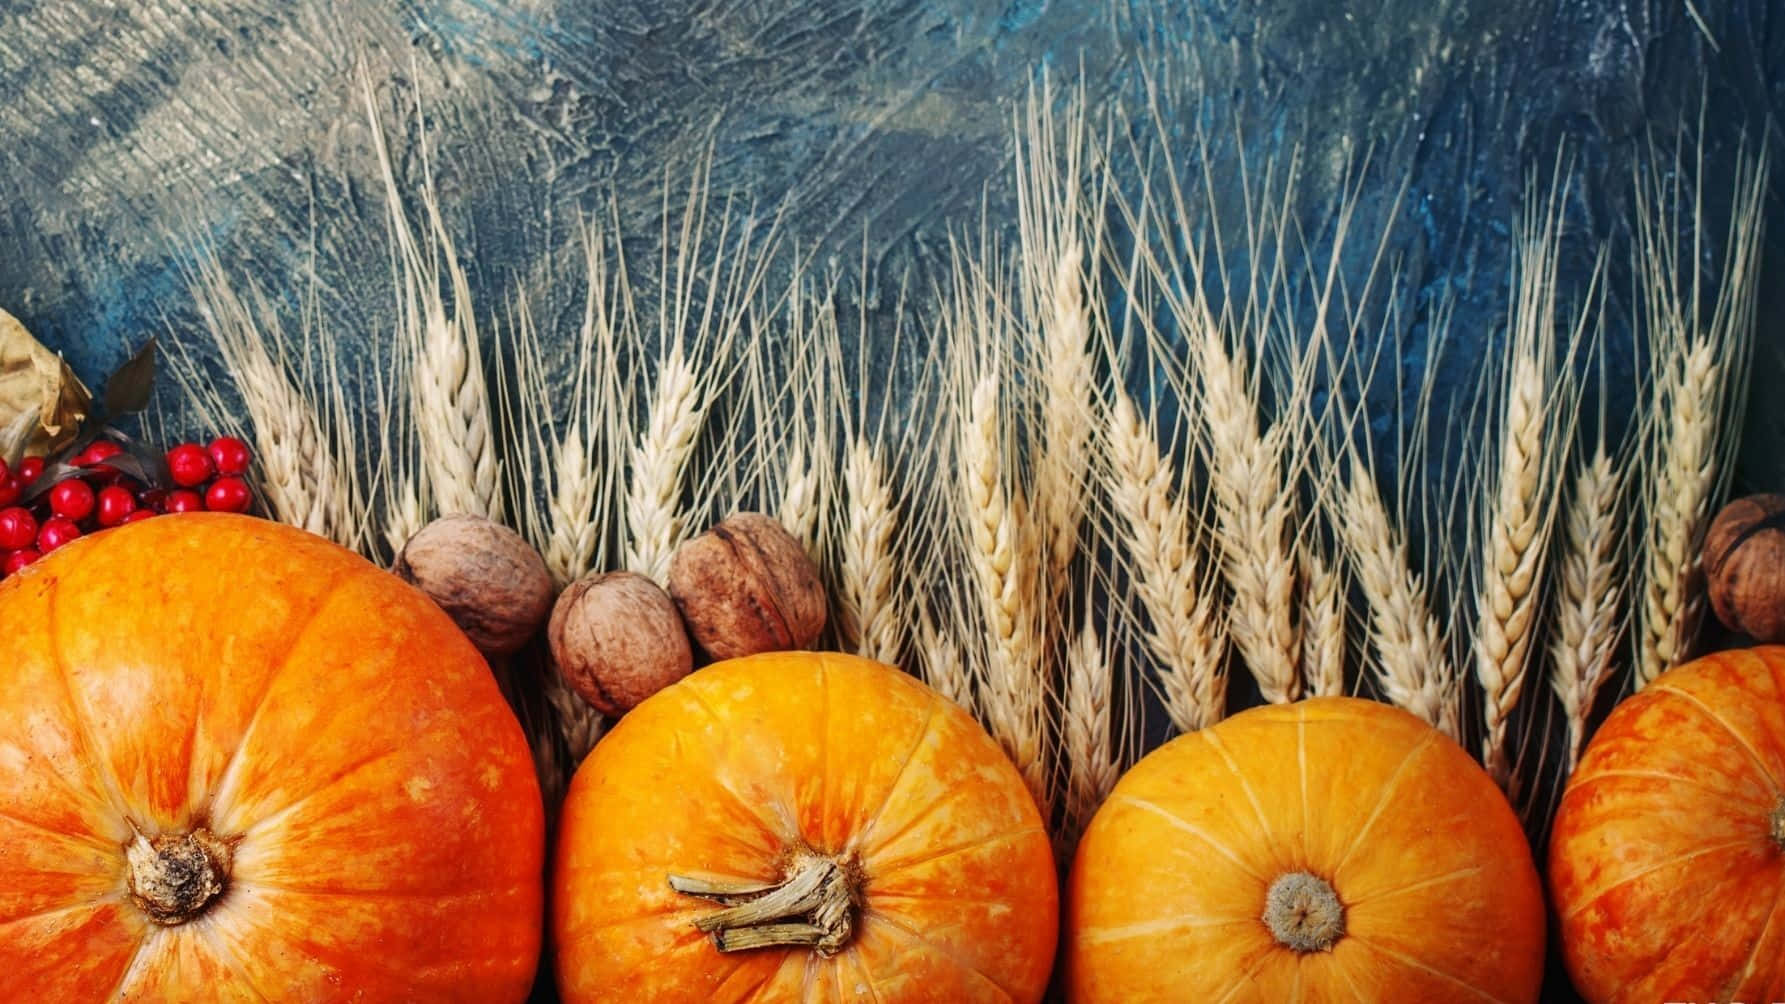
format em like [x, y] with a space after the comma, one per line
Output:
[491, 582]
[747, 586]
[1744, 564]
[617, 639]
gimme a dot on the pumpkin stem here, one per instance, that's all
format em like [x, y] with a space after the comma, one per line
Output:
[1779, 824]
[175, 877]
[813, 907]
[1304, 913]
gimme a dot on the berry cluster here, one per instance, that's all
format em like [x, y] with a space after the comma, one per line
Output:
[93, 492]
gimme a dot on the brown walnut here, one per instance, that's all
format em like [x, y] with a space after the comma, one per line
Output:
[490, 581]
[617, 639]
[747, 586]
[1744, 564]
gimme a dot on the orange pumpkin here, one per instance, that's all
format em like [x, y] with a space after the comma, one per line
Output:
[1667, 862]
[1335, 849]
[801, 826]
[240, 763]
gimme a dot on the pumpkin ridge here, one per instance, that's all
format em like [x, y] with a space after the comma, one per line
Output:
[1162, 925]
[91, 840]
[1586, 901]
[1382, 802]
[777, 824]
[1766, 927]
[1246, 977]
[1264, 824]
[1723, 723]
[905, 864]
[226, 778]
[941, 951]
[1147, 805]
[1407, 960]
[274, 817]
[125, 975]
[1614, 773]
[864, 834]
[1424, 883]
[78, 712]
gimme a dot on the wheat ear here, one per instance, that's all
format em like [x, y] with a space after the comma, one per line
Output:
[871, 621]
[451, 403]
[1156, 533]
[1695, 402]
[942, 660]
[1411, 665]
[301, 476]
[1086, 734]
[1589, 596]
[1512, 561]
[1323, 624]
[1001, 554]
[1253, 508]
[654, 518]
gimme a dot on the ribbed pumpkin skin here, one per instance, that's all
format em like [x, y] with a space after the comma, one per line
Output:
[732, 769]
[1663, 866]
[228, 672]
[1168, 890]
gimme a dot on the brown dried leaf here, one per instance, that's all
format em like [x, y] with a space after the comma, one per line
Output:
[33, 377]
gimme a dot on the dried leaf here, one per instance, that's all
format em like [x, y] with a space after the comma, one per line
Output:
[17, 435]
[33, 377]
[128, 389]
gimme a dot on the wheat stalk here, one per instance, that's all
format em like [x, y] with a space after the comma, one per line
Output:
[1411, 665]
[1589, 596]
[654, 518]
[1695, 404]
[1155, 532]
[1512, 560]
[1001, 552]
[451, 403]
[1679, 504]
[303, 480]
[1253, 509]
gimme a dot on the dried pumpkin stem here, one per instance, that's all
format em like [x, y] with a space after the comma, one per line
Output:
[814, 907]
[1779, 824]
[1304, 913]
[175, 877]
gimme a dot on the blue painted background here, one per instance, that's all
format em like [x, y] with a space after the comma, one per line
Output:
[128, 132]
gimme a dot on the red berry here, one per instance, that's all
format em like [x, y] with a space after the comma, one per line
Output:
[5, 470]
[189, 464]
[18, 559]
[72, 499]
[10, 489]
[115, 503]
[18, 528]
[55, 532]
[228, 495]
[139, 515]
[184, 500]
[29, 469]
[229, 455]
[98, 451]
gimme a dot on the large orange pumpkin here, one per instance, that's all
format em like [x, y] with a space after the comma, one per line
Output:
[239, 763]
[1667, 863]
[798, 826]
[1335, 849]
